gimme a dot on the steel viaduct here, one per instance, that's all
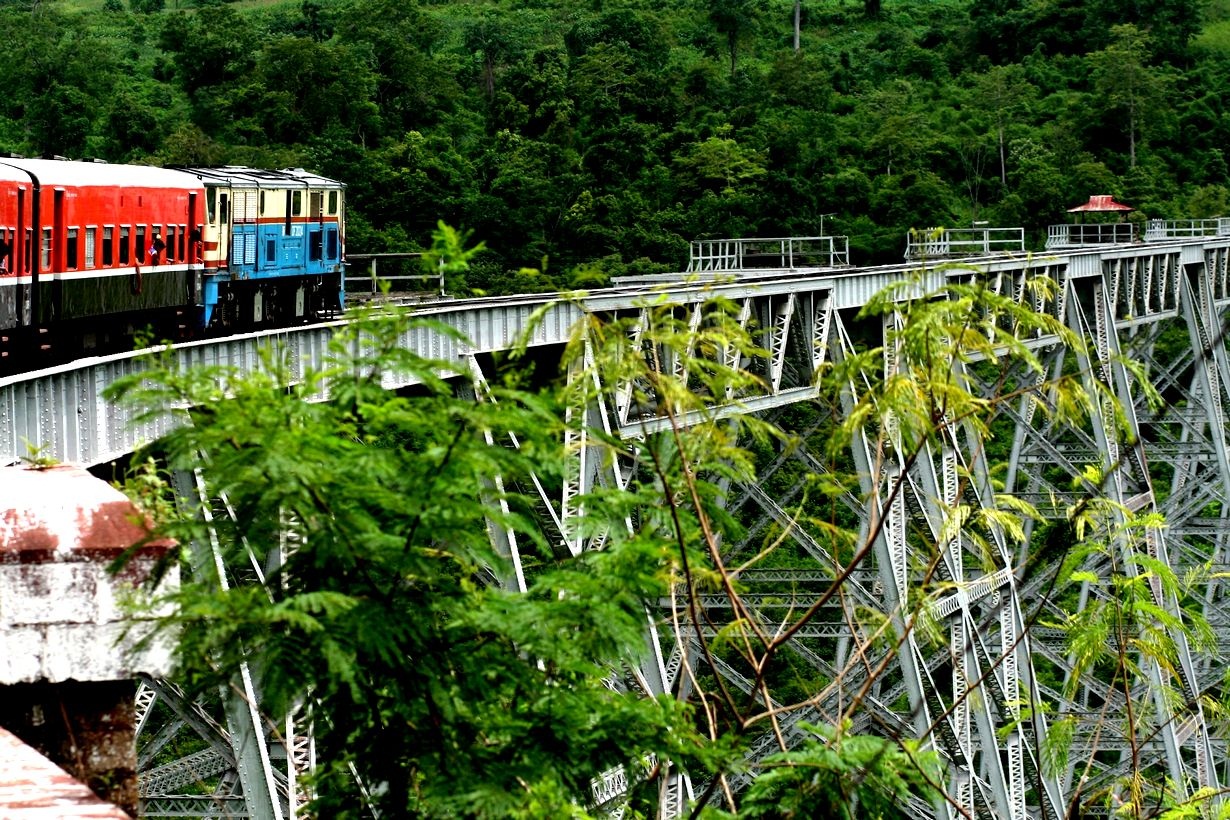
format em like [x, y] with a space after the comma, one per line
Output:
[981, 692]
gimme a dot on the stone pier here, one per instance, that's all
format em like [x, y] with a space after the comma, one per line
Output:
[73, 636]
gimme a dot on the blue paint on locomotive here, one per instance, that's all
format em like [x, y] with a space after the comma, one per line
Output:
[264, 251]
[209, 298]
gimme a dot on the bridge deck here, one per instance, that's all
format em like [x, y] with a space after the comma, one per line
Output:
[59, 413]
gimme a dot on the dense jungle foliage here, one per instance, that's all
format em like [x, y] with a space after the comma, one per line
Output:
[587, 139]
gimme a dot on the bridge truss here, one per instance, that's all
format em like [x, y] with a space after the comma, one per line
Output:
[989, 679]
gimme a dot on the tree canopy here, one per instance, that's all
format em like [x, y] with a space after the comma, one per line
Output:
[609, 135]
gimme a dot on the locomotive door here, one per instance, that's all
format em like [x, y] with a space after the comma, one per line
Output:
[316, 232]
[218, 216]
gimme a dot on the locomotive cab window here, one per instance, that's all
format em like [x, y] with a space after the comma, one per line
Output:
[70, 249]
[211, 206]
[108, 246]
[224, 212]
[332, 203]
[296, 203]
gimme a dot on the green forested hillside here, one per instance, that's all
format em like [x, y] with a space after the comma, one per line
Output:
[589, 138]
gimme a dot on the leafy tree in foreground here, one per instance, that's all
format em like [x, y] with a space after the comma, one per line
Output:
[457, 697]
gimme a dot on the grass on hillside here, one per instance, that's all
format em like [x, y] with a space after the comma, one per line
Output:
[1215, 36]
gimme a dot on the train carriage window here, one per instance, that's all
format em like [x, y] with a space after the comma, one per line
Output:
[125, 247]
[332, 203]
[140, 243]
[170, 243]
[70, 248]
[46, 256]
[183, 242]
[91, 236]
[27, 250]
[108, 246]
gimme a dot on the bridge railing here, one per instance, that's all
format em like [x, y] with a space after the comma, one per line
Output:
[783, 253]
[371, 282]
[1071, 236]
[942, 243]
[1159, 229]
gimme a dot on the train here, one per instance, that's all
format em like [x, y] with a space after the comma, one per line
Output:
[94, 255]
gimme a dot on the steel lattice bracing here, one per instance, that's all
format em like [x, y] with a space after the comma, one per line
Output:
[984, 686]
[979, 700]
[245, 766]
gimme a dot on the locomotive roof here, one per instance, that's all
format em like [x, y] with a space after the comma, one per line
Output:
[237, 176]
[73, 173]
[76, 173]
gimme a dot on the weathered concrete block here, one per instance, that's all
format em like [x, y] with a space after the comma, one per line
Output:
[79, 592]
[73, 634]
[63, 616]
[21, 653]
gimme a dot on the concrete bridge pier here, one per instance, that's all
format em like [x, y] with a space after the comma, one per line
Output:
[71, 636]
